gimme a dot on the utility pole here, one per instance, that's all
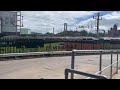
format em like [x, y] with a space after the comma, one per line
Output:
[97, 18]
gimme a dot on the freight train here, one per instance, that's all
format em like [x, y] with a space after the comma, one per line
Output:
[102, 43]
[60, 43]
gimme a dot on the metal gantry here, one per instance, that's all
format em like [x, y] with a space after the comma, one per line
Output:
[19, 21]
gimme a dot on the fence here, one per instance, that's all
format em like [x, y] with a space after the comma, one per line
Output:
[99, 73]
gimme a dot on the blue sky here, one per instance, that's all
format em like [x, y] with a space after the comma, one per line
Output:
[101, 12]
[44, 21]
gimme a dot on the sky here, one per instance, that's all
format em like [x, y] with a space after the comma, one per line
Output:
[45, 21]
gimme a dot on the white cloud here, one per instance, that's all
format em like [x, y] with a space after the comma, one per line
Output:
[107, 21]
[43, 21]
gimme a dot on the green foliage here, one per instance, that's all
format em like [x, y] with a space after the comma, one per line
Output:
[92, 34]
[49, 34]
[78, 33]
[84, 33]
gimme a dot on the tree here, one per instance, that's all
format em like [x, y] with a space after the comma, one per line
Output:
[101, 34]
[49, 34]
[84, 33]
[91, 34]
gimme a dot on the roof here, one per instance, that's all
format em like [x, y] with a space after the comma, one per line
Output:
[110, 38]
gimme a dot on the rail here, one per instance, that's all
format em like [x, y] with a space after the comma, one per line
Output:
[35, 53]
[67, 71]
[72, 70]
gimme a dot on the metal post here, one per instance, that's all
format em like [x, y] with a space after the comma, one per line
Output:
[97, 18]
[66, 74]
[98, 15]
[72, 63]
[111, 65]
[100, 64]
[117, 64]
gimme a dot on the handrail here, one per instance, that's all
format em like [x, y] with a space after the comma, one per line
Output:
[100, 63]
[83, 73]
[105, 68]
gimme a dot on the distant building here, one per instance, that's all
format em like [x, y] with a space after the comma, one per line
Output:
[113, 32]
[25, 31]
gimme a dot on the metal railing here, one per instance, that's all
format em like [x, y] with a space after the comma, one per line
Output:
[67, 71]
[73, 71]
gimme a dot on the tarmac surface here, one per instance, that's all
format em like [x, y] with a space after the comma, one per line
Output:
[52, 67]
